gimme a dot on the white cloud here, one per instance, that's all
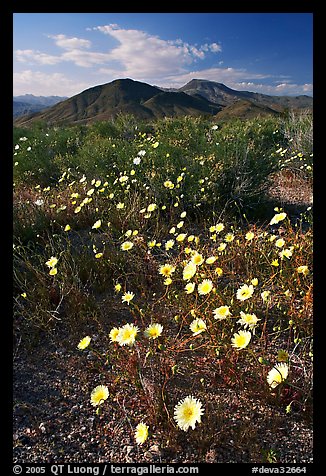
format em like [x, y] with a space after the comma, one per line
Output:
[36, 57]
[147, 56]
[42, 84]
[70, 43]
[281, 89]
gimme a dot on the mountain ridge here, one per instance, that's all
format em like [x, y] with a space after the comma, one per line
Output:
[197, 97]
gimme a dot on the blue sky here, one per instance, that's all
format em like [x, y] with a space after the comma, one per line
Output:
[65, 53]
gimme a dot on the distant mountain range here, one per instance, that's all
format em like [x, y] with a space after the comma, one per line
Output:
[28, 103]
[198, 97]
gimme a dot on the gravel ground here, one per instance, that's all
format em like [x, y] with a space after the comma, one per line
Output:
[54, 421]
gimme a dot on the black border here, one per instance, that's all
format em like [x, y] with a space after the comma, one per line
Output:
[6, 31]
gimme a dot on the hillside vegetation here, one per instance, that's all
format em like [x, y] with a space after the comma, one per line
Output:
[146, 102]
[182, 287]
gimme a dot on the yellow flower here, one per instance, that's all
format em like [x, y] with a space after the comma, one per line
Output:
[127, 297]
[254, 281]
[188, 412]
[205, 287]
[117, 287]
[221, 247]
[167, 269]
[114, 334]
[245, 292]
[275, 262]
[153, 331]
[277, 218]
[52, 262]
[265, 295]
[120, 205]
[197, 258]
[189, 271]
[197, 326]
[279, 243]
[248, 320]
[151, 207]
[151, 244]
[53, 271]
[127, 334]
[84, 343]
[156, 144]
[169, 244]
[211, 260]
[277, 374]
[221, 312]
[98, 255]
[212, 229]
[250, 235]
[303, 269]
[183, 214]
[180, 224]
[127, 245]
[229, 237]
[190, 288]
[287, 253]
[241, 339]
[99, 395]
[167, 281]
[141, 433]
[172, 230]
[67, 228]
[219, 227]
[219, 271]
[168, 184]
[181, 236]
[77, 209]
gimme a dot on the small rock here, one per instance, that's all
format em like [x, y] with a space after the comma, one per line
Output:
[42, 427]
[129, 449]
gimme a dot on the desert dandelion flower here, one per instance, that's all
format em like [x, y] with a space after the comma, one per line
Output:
[141, 433]
[189, 271]
[167, 269]
[97, 224]
[205, 287]
[127, 297]
[303, 269]
[221, 312]
[277, 375]
[189, 288]
[250, 235]
[188, 412]
[197, 258]
[127, 334]
[245, 292]
[99, 395]
[248, 320]
[126, 246]
[153, 331]
[241, 339]
[114, 334]
[84, 343]
[51, 263]
[198, 326]
[277, 218]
